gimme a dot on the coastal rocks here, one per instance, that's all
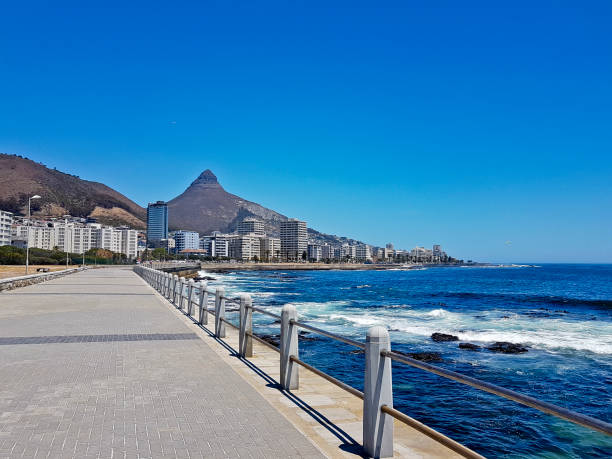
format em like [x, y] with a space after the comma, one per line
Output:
[469, 346]
[505, 347]
[443, 337]
[274, 340]
[307, 336]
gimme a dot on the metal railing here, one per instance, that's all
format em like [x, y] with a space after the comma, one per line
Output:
[378, 411]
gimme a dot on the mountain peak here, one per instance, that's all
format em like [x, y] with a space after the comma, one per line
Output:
[206, 178]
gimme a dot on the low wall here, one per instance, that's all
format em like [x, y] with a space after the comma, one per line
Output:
[21, 281]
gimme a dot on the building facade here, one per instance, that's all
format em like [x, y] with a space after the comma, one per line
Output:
[251, 226]
[269, 248]
[157, 223]
[6, 221]
[294, 240]
[216, 245]
[186, 240]
[244, 247]
[314, 253]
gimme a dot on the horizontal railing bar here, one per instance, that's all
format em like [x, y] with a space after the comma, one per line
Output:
[328, 334]
[223, 319]
[549, 408]
[263, 341]
[431, 433]
[263, 311]
[331, 379]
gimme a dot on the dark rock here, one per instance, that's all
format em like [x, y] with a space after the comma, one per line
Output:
[505, 317]
[442, 337]
[306, 336]
[426, 356]
[469, 346]
[357, 351]
[507, 348]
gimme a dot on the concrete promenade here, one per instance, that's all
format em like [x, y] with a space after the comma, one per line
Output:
[95, 364]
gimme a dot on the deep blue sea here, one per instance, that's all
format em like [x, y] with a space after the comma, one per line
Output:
[563, 313]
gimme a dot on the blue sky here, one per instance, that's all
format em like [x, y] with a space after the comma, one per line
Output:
[484, 128]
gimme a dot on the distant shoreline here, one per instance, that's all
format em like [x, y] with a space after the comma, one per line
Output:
[222, 267]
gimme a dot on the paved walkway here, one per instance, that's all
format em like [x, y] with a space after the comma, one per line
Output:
[95, 365]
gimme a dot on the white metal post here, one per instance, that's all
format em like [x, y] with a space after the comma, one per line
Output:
[190, 296]
[181, 292]
[245, 341]
[378, 391]
[219, 313]
[203, 317]
[289, 375]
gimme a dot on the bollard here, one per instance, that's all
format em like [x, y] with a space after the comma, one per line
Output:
[245, 342]
[219, 312]
[190, 296]
[181, 292]
[289, 376]
[377, 426]
[203, 318]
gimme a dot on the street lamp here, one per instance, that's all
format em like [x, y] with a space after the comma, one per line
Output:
[29, 224]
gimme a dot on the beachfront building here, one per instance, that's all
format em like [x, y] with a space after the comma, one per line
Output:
[82, 239]
[363, 253]
[186, 240]
[251, 226]
[6, 221]
[269, 248]
[244, 247]
[215, 245]
[157, 223]
[129, 242]
[327, 252]
[347, 252]
[294, 240]
[314, 253]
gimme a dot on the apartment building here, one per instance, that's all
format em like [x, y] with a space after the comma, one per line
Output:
[244, 247]
[314, 252]
[270, 248]
[294, 239]
[6, 221]
[251, 226]
[157, 223]
[363, 252]
[327, 252]
[186, 240]
[216, 245]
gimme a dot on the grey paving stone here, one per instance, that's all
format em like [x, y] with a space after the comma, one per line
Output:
[94, 364]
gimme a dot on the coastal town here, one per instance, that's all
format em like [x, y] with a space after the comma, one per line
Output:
[249, 242]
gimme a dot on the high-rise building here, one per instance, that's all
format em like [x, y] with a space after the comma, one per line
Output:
[157, 223]
[129, 242]
[6, 220]
[327, 252]
[294, 240]
[186, 240]
[251, 226]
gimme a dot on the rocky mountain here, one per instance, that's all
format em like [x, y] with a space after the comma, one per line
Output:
[205, 206]
[62, 194]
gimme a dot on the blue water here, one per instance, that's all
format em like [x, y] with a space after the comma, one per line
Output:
[563, 313]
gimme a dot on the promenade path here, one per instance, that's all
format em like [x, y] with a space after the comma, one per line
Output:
[95, 365]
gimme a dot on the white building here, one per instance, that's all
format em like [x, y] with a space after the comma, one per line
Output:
[294, 239]
[363, 252]
[82, 239]
[129, 242]
[269, 248]
[6, 221]
[314, 252]
[244, 247]
[185, 240]
[327, 252]
[251, 226]
[216, 245]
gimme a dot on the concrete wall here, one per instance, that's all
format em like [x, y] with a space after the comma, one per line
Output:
[21, 281]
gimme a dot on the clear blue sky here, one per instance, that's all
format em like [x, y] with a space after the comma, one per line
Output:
[486, 129]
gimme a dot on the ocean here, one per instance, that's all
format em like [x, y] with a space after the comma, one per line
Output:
[561, 313]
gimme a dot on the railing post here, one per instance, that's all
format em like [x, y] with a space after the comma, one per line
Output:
[166, 284]
[174, 288]
[181, 292]
[377, 391]
[190, 296]
[203, 317]
[219, 313]
[289, 376]
[245, 342]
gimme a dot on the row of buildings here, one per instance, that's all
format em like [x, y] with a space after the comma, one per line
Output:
[68, 234]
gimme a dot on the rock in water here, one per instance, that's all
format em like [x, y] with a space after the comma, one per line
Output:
[507, 348]
[469, 346]
[442, 337]
[426, 356]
